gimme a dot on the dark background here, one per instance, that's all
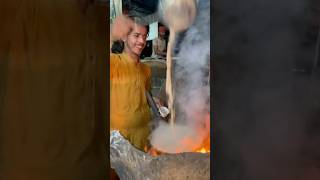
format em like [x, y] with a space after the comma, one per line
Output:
[266, 89]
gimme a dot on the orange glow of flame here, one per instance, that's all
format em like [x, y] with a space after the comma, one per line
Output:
[205, 146]
[153, 152]
[203, 150]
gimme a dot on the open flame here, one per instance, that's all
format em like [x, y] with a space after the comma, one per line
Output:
[203, 150]
[203, 130]
[154, 152]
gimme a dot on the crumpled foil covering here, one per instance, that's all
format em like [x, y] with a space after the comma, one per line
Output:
[133, 164]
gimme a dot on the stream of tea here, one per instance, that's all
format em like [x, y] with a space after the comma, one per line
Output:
[179, 15]
[169, 88]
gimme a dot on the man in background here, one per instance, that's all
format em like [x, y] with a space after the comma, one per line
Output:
[160, 43]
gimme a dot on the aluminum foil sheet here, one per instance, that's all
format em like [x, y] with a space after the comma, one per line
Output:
[133, 164]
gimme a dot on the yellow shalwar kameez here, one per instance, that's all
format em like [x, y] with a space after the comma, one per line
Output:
[130, 113]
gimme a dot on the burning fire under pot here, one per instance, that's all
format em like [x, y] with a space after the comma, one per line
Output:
[133, 164]
[178, 138]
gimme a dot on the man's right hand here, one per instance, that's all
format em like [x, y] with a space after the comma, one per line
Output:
[120, 28]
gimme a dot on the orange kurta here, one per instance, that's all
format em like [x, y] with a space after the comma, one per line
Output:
[130, 112]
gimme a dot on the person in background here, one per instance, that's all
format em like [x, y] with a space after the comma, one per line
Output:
[160, 43]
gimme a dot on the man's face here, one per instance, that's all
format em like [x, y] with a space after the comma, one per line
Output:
[162, 31]
[136, 40]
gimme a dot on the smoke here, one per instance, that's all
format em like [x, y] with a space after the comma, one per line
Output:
[265, 100]
[192, 90]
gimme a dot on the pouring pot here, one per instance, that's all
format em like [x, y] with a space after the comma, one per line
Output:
[178, 14]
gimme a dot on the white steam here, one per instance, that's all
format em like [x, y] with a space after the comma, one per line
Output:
[192, 90]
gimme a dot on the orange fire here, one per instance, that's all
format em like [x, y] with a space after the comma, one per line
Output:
[205, 146]
[154, 152]
[203, 150]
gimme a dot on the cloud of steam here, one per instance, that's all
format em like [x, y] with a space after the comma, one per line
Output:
[178, 138]
[192, 90]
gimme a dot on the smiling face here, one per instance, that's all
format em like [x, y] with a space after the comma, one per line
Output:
[136, 41]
